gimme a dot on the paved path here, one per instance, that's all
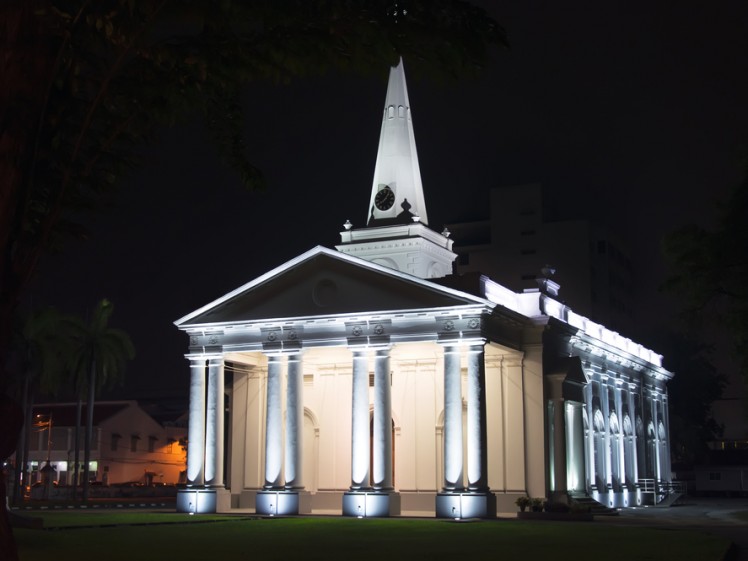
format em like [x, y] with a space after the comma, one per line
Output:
[713, 515]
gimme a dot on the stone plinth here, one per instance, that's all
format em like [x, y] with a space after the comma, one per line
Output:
[371, 504]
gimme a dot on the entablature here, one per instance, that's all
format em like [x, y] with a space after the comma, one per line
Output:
[460, 324]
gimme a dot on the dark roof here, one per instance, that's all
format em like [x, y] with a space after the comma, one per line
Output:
[63, 414]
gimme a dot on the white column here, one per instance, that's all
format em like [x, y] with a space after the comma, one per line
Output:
[666, 445]
[360, 422]
[656, 439]
[607, 444]
[294, 422]
[452, 420]
[382, 476]
[196, 429]
[634, 461]
[476, 419]
[214, 424]
[274, 425]
[591, 435]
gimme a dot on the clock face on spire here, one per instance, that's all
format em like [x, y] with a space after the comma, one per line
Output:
[384, 199]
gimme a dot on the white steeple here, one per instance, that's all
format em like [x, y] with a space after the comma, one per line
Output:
[396, 233]
[397, 168]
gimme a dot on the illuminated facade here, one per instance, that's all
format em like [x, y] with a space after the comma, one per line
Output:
[369, 381]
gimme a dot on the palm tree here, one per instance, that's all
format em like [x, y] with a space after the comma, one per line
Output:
[40, 363]
[98, 357]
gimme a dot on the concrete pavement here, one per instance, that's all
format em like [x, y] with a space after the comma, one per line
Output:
[712, 515]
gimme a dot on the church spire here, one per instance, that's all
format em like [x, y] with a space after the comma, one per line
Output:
[396, 234]
[397, 192]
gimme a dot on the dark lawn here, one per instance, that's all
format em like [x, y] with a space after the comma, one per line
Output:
[360, 540]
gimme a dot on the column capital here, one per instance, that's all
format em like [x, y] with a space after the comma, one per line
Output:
[464, 343]
[202, 357]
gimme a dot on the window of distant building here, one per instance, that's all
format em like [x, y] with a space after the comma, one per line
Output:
[152, 443]
[114, 445]
[134, 443]
[170, 446]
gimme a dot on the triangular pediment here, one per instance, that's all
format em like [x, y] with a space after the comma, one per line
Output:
[323, 282]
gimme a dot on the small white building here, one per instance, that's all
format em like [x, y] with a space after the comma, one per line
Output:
[370, 381]
[128, 445]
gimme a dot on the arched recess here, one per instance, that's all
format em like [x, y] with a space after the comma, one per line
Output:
[310, 452]
[395, 437]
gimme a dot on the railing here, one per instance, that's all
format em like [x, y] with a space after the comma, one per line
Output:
[663, 488]
[648, 485]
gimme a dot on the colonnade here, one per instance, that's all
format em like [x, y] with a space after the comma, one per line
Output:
[626, 432]
[283, 464]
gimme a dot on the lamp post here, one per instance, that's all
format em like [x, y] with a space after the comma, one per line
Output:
[46, 472]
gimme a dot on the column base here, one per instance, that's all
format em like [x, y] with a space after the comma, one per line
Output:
[371, 504]
[277, 503]
[466, 505]
[196, 500]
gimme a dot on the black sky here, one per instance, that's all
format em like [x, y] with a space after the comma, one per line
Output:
[631, 113]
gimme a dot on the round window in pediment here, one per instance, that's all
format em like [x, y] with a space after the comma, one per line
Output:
[324, 293]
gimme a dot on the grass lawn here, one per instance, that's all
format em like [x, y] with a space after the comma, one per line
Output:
[742, 515]
[310, 539]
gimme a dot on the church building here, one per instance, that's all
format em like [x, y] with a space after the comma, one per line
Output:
[370, 380]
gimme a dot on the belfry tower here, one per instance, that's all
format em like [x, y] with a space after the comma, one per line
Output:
[397, 233]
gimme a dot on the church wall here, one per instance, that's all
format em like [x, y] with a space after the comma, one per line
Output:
[417, 399]
[514, 425]
[534, 402]
[247, 430]
[495, 426]
[329, 399]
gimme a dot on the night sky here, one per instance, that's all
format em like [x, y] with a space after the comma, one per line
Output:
[635, 116]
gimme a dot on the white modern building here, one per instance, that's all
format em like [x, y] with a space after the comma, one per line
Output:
[371, 381]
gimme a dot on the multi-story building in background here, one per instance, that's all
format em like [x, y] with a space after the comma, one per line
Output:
[521, 236]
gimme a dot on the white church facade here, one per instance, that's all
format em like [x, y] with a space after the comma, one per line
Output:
[370, 381]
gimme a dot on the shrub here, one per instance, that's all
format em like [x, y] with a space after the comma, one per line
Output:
[523, 502]
[537, 503]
